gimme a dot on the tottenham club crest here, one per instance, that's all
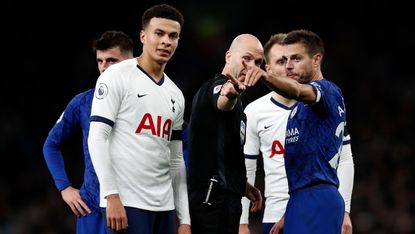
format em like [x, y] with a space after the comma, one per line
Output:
[102, 91]
[172, 102]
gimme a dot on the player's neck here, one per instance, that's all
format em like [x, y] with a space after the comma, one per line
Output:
[154, 69]
[283, 100]
[317, 76]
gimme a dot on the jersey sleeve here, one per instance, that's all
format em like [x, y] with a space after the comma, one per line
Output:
[329, 98]
[252, 143]
[214, 92]
[107, 97]
[251, 151]
[64, 128]
[345, 172]
[178, 174]
[105, 104]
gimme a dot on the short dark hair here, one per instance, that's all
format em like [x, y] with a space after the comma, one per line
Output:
[110, 39]
[309, 39]
[162, 11]
[274, 39]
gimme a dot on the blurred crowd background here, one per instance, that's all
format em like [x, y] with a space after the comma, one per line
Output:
[369, 54]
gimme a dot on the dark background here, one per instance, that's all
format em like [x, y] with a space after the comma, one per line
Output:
[369, 54]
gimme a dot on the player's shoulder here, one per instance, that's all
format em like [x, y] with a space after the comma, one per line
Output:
[214, 83]
[170, 82]
[125, 64]
[85, 94]
[171, 85]
[80, 98]
[326, 85]
[123, 67]
[258, 103]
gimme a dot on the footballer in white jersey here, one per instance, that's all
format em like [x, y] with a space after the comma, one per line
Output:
[265, 137]
[265, 134]
[146, 114]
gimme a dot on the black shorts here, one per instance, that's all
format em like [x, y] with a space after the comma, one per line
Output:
[221, 216]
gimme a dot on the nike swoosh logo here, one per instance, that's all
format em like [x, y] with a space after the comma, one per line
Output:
[266, 127]
[138, 95]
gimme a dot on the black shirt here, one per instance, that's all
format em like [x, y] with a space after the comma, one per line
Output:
[216, 140]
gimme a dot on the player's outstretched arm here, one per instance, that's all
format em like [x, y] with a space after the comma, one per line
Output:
[289, 88]
[229, 93]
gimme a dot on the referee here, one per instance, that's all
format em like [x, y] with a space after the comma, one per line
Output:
[217, 175]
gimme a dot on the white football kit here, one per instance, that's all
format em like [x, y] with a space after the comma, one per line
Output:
[133, 158]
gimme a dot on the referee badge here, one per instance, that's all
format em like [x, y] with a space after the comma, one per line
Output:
[217, 89]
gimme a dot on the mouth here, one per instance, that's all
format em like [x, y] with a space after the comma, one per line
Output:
[163, 52]
[291, 75]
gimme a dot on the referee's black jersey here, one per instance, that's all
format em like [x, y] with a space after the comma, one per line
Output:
[216, 140]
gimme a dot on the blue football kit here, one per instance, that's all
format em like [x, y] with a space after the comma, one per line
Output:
[74, 118]
[313, 144]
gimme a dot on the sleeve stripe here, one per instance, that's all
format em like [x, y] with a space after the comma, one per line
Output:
[176, 135]
[247, 156]
[102, 120]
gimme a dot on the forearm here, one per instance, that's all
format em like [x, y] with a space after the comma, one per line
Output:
[290, 88]
[250, 172]
[54, 160]
[228, 96]
[178, 174]
[345, 173]
[98, 149]
[284, 86]
[225, 103]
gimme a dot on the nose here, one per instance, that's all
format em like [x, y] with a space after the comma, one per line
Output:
[289, 64]
[166, 40]
[103, 66]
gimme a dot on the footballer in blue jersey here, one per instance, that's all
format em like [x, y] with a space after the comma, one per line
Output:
[112, 47]
[314, 137]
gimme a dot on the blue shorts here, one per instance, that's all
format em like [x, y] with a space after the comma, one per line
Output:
[147, 222]
[91, 223]
[317, 209]
[266, 227]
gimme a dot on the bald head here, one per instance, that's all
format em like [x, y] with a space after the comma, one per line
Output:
[246, 40]
[246, 51]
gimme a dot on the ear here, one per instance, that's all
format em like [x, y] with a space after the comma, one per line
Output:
[267, 67]
[317, 59]
[142, 36]
[228, 56]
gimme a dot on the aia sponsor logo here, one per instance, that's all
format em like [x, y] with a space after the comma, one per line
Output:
[156, 126]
